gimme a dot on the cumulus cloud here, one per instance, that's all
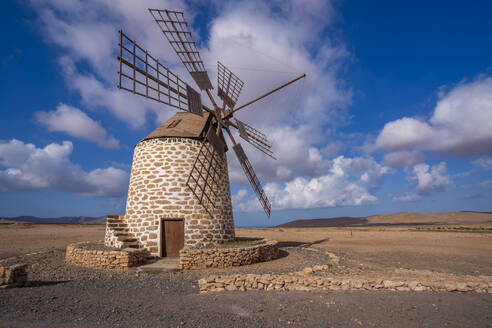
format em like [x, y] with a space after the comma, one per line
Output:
[266, 46]
[428, 179]
[76, 123]
[348, 181]
[460, 124]
[403, 158]
[28, 167]
[87, 33]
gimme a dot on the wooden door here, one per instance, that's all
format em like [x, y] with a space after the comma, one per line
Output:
[172, 238]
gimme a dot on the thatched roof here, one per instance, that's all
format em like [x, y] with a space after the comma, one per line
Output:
[183, 124]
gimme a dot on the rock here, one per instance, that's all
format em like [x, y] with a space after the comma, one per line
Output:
[388, 284]
[450, 287]
[413, 284]
[307, 271]
[357, 284]
[462, 287]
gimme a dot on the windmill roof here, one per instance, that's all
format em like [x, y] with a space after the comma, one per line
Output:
[182, 124]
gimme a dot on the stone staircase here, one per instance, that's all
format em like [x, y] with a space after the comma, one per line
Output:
[118, 234]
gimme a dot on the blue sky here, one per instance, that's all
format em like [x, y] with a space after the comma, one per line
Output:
[394, 114]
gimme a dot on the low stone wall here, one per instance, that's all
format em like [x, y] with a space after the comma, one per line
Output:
[13, 276]
[202, 258]
[296, 281]
[80, 254]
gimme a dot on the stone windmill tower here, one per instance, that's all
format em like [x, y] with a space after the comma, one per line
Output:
[179, 191]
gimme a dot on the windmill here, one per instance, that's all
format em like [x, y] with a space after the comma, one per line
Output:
[142, 74]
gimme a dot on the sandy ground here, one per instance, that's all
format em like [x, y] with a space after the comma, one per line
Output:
[17, 239]
[381, 249]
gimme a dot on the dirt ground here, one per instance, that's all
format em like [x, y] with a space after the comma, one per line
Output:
[381, 249]
[21, 238]
[64, 295]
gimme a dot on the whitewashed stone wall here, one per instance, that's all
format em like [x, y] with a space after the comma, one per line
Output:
[158, 190]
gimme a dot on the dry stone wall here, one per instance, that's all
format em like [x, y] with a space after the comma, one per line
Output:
[13, 276]
[158, 190]
[303, 281]
[78, 254]
[190, 259]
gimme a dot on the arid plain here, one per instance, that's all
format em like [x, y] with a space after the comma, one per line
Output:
[445, 247]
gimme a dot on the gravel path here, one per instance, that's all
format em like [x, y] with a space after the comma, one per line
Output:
[63, 295]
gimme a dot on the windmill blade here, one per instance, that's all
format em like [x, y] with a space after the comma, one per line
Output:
[142, 74]
[229, 86]
[178, 33]
[255, 137]
[253, 179]
[203, 179]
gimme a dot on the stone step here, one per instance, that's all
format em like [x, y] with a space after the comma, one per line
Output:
[166, 264]
[130, 245]
[116, 225]
[121, 229]
[115, 221]
[127, 239]
[113, 216]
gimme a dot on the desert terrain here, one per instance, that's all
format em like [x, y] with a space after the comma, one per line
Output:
[445, 247]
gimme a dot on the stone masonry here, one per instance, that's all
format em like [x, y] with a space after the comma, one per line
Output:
[304, 281]
[203, 258]
[80, 254]
[158, 190]
[13, 276]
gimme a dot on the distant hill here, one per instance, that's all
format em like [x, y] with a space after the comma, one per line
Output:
[396, 219]
[61, 220]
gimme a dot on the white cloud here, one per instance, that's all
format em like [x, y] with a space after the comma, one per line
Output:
[87, 33]
[408, 197]
[348, 181]
[76, 123]
[403, 158]
[428, 179]
[484, 163]
[485, 184]
[30, 168]
[460, 124]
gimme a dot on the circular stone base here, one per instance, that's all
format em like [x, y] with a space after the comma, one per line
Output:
[96, 255]
[239, 252]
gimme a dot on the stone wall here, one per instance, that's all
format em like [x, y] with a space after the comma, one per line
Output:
[190, 258]
[78, 254]
[13, 276]
[157, 190]
[301, 282]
